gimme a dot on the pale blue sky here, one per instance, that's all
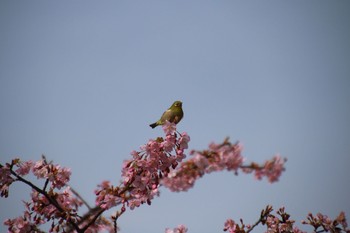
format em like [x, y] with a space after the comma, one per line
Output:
[80, 81]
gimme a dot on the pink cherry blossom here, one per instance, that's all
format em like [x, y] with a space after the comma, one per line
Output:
[142, 174]
[297, 230]
[19, 225]
[24, 167]
[272, 169]
[169, 143]
[107, 195]
[40, 169]
[231, 227]
[159, 161]
[57, 175]
[169, 128]
[184, 140]
[5, 180]
[218, 157]
[60, 176]
[67, 201]
[322, 222]
[178, 229]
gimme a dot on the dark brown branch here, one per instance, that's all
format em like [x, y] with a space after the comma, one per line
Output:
[48, 197]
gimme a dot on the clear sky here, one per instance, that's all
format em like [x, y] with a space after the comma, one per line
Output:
[80, 81]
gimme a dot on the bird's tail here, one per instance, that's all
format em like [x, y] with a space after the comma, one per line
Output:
[153, 125]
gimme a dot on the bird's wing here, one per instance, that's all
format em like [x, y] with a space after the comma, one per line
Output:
[167, 115]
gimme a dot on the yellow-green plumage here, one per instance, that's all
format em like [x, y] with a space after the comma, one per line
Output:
[174, 114]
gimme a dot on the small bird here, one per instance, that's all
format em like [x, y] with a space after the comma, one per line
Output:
[174, 114]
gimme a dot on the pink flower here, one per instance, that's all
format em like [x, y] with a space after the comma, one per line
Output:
[169, 142]
[61, 177]
[142, 174]
[327, 224]
[40, 169]
[272, 169]
[5, 175]
[109, 201]
[41, 205]
[342, 220]
[232, 158]
[4, 188]
[101, 225]
[182, 178]
[152, 148]
[19, 225]
[230, 226]
[178, 229]
[107, 195]
[24, 168]
[272, 223]
[297, 230]
[58, 176]
[68, 201]
[200, 161]
[5, 180]
[277, 169]
[184, 140]
[135, 154]
[180, 155]
[169, 128]
[218, 157]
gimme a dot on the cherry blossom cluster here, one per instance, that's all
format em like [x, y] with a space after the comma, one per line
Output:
[178, 229]
[54, 203]
[159, 162]
[224, 156]
[141, 175]
[55, 176]
[40, 210]
[48, 204]
[272, 169]
[281, 222]
[322, 223]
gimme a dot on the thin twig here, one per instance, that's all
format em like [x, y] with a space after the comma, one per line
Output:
[255, 224]
[80, 197]
[263, 215]
[115, 226]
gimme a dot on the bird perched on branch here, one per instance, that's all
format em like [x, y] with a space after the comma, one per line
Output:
[174, 114]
